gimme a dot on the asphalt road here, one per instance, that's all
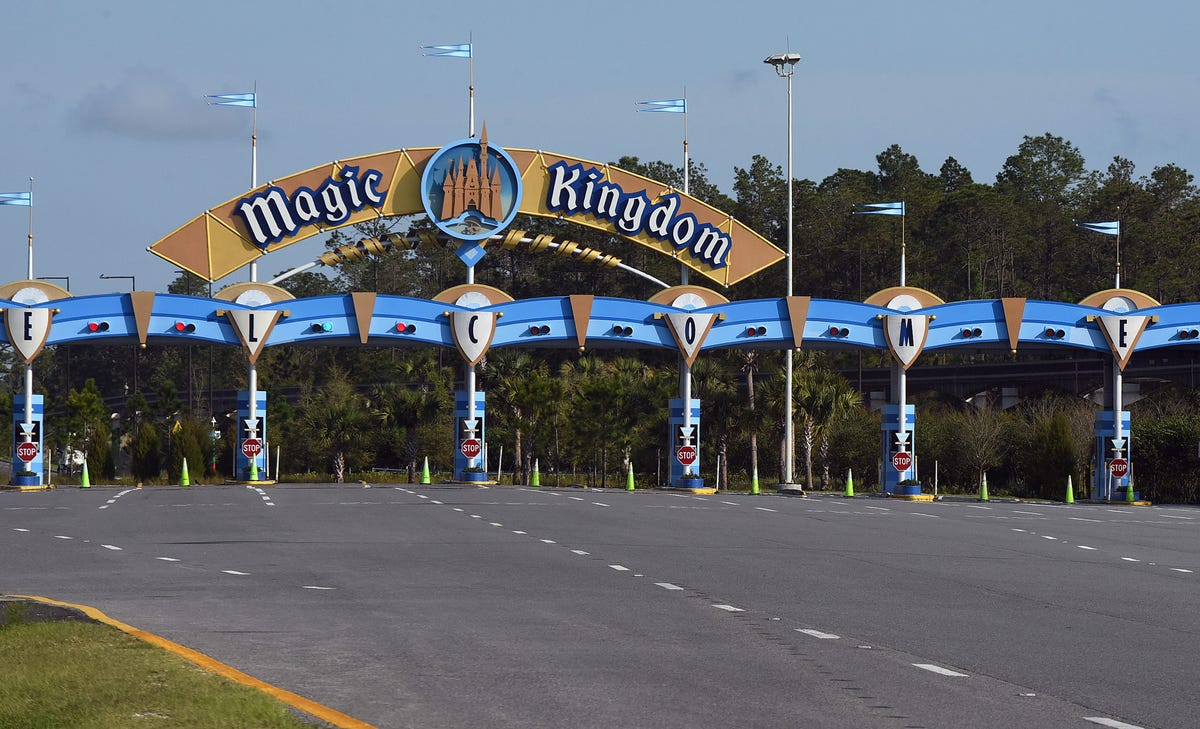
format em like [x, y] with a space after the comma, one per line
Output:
[445, 607]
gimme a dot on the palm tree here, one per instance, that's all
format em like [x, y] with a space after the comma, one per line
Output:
[821, 397]
[336, 418]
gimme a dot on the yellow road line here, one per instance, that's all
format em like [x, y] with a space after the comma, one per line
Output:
[336, 718]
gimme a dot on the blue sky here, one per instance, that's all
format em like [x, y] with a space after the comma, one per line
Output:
[104, 102]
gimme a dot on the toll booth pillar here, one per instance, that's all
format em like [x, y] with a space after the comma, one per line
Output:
[470, 447]
[683, 448]
[251, 438]
[894, 470]
[1105, 486]
[37, 462]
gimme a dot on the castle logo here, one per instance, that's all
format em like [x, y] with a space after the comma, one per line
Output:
[471, 190]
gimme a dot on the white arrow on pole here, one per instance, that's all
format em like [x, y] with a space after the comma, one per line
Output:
[1118, 444]
[901, 438]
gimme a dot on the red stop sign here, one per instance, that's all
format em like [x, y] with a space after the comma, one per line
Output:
[27, 451]
[1118, 467]
[251, 447]
[902, 461]
[686, 454]
[471, 447]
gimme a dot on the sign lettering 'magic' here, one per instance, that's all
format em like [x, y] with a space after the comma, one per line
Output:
[574, 190]
[272, 214]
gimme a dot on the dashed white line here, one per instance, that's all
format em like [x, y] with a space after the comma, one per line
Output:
[167, 559]
[62, 536]
[1047, 536]
[668, 586]
[1172, 516]
[731, 503]
[619, 568]
[884, 508]
[1113, 723]
[1019, 530]
[1080, 518]
[574, 498]
[921, 513]
[19, 529]
[1131, 559]
[476, 516]
[763, 508]
[934, 668]
[435, 501]
[496, 524]
[317, 587]
[729, 608]
[549, 541]
[580, 552]
[457, 509]
[1084, 546]
[597, 503]
[1030, 513]
[818, 634]
[235, 572]
[1180, 569]
[973, 506]
[113, 547]
[519, 532]
[422, 496]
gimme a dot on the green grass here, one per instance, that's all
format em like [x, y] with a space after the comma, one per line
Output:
[79, 675]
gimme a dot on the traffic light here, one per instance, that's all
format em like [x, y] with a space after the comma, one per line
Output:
[184, 327]
[322, 327]
[755, 331]
[1189, 333]
[538, 331]
[97, 326]
[839, 331]
[1053, 333]
[968, 332]
[621, 331]
[406, 328]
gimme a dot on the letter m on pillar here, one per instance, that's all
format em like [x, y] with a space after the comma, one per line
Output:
[906, 335]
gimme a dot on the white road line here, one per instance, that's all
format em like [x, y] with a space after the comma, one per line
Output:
[1171, 516]
[1018, 530]
[1180, 569]
[1047, 536]
[973, 506]
[1113, 723]
[763, 508]
[1030, 513]
[699, 498]
[235, 572]
[731, 503]
[931, 516]
[574, 498]
[435, 501]
[1084, 546]
[884, 508]
[496, 524]
[1080, 518]
[104, 507]
[19, 529]
[62, 536]
[549, 541]
[597, 503]
[316, 587]
[167, 559]
[518, 532]
[1131, 559]
[729, 608]
[422, 496]
[619, 568]
[113, 547]
[934, 668]
[476, 516]
[580, 552]
[668, 586]
[818, 634]
[457, 509]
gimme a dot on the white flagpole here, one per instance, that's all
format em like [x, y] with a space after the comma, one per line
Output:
[903, 249]
[471, 86]
[30, 228]
[254, 168]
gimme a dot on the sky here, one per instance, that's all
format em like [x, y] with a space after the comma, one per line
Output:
[103, 103]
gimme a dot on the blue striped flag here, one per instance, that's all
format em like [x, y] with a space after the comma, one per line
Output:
[664, 106]
[460, 50]
[22, 199]
[888, 208]
[247, 100]
[1111, 228]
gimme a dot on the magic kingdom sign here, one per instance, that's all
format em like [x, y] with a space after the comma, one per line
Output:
[471, 191]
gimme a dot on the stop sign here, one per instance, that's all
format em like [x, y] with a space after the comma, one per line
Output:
[27, 451]
[1118, 467]
[251, 447]
[471, 447]
[686, 454]
[902, 461]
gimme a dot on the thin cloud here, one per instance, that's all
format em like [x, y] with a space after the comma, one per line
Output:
[148, 104]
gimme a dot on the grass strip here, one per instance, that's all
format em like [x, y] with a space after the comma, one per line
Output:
[84, 675]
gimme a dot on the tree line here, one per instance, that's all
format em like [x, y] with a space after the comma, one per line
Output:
[587, 416]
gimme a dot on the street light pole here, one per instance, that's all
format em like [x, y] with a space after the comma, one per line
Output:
[785, 66]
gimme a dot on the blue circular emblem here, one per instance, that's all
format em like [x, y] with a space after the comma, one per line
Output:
[471, 190]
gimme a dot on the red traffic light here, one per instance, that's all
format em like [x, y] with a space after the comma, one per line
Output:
[97, 326]
[184, 327]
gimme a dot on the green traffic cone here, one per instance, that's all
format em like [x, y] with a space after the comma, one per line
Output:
[983, 494]
[84, 481]
[425, 472]
[183, 475]
[253, 470]
[535, 478]
[754, 482]
[1129, 492]
[849, 483]
[629, 478]
[1070, 491]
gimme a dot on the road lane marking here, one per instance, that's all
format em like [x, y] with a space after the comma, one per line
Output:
[668, 586]
[316, 587]
[1131, 559]
[597, 503]
[1113, 723]
[884, 508]
[422, 496]
[167, 559]
[1084, 546]
[457, 509]
[549, 541]
[1080, 518]
[1030, 513]
[934, 668]
[619, 568]
[496, 524]
[1171, 516]
[973, 506]
[435, 501]
[19, 529]
[62, 536]
[731, 503]
[818, 634]
[1180, 569]
[1047, 536]
[580, 552]
[931, 516]
[574, 498]
[476, 516]
[1019, 530]
[235, 572]
[113, 547]
[729, 608]
[519, 532]
[763, 508]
